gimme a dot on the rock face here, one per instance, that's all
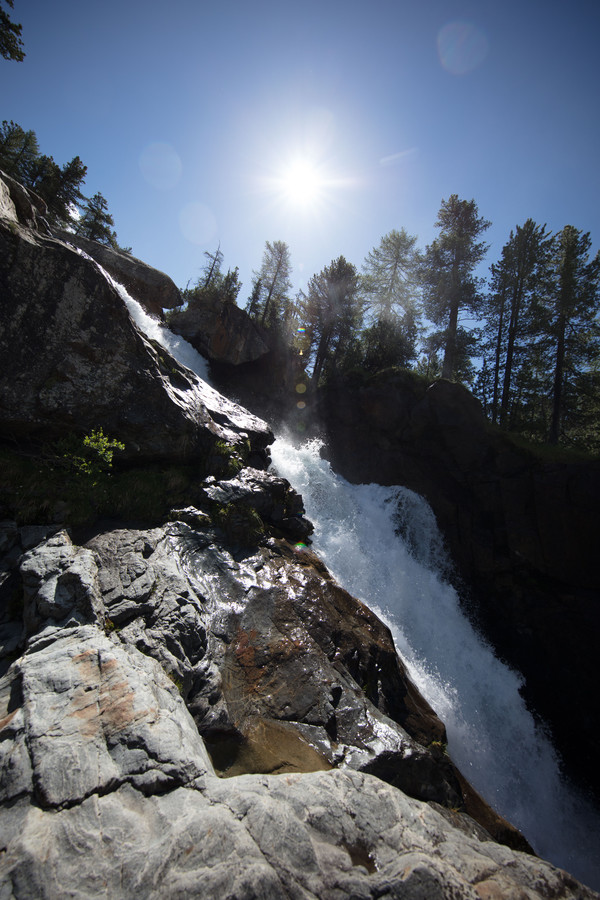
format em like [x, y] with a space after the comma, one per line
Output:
[522, 533]
[107, 784]
[154, 290]
[72, 359]
[21, 206]
[222, 332]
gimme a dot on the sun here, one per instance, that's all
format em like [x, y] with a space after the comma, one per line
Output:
[301, 182]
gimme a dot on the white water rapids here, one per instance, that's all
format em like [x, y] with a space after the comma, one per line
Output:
[491, 736]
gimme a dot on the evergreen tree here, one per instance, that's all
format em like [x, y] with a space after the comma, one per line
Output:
[333, 314]
[213, 286]
[431, 360]
[389, 283]
[212, 270]
[11, 45]
[96, 223]
[19, 152]
[253, 305]
[59, 188]
[572, 319]
[271, 285]
[520, 276]
[447, 271]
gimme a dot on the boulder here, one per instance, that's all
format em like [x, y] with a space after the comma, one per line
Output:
[107, 786]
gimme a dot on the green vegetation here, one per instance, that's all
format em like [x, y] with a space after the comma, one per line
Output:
[75, 483]
[241, 524]
[212, 286]
[527, 342]
[90, 457]
[271, 286]
[59, 187]
[11, 45]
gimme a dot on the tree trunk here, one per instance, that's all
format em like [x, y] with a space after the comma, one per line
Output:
[497, 362]
[515, 309]
[557, 390]
[450, 349]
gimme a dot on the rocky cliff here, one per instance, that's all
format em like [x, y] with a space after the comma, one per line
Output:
[193, 707]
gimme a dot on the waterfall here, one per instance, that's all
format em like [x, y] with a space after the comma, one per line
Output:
[382, 545]
[177, 346]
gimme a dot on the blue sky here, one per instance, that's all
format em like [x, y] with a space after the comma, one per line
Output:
[190, 115]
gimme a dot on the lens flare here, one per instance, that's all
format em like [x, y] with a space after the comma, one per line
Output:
[462, 47]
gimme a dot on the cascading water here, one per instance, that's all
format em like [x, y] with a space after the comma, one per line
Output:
[491, 736]
[382, 545]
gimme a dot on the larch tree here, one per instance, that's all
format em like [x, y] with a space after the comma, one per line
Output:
[447, 271]
[271, 285]
[390, 287]
[212, 285]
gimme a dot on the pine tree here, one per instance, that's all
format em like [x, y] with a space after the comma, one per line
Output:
[11, 45]
[520, 276]
[59, 188]
[447, 271]
[96, 223]
[572, 324]
[333, 315]
[213, 287]
[19, 152]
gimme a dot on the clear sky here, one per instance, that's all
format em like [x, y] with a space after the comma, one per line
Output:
[323, 124]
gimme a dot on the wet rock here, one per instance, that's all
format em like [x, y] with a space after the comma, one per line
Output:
[280, 668]
[273, 499]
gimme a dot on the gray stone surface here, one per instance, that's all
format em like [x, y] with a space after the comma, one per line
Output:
[329, 835]
[221, 331]
[153, 289]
